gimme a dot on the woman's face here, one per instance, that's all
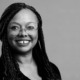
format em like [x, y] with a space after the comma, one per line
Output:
[22, 31]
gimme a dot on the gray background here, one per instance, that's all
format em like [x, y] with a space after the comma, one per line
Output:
[61, 25]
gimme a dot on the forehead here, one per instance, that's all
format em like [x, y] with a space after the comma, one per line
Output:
[25, 15]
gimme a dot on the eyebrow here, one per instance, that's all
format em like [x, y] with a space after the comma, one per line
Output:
[19, 23]
[14, 23]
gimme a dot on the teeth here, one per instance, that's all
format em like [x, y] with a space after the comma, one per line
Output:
[20, 41]
[23, 42]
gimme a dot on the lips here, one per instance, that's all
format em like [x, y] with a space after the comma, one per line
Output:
[22, 42]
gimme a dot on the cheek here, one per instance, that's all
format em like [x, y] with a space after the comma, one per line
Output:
[11, 36]
[12, 33]
[35, 36]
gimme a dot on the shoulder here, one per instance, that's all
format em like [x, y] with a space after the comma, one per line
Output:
[55, 71]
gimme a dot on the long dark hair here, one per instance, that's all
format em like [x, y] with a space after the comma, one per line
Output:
[11, 69]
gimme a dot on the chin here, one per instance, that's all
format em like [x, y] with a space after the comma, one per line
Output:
[24, 50]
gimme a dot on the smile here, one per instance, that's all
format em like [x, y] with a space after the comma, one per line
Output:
[22, 42]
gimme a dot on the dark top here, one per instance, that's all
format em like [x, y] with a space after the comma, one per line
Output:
[54, 69]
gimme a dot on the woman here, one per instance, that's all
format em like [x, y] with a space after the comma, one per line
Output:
[23, 50]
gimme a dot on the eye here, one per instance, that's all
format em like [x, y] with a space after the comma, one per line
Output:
[30, 27]
[14, 27]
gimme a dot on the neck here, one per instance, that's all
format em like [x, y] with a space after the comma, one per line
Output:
[25, 59]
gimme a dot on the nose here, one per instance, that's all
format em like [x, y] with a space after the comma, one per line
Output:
[23, 32]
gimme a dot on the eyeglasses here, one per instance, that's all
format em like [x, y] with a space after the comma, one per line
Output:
[29, 28]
